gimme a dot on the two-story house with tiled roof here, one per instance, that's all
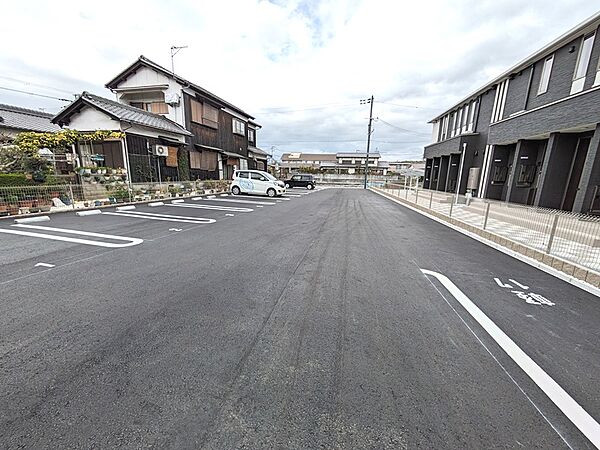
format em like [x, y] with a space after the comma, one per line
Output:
[223, 136]
[531, 135]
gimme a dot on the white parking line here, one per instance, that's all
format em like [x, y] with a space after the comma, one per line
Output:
[574, 412]
[129, 240]
[164, 217]
[45, 265]
[292, 195]
[228, 200]
[283, 198]
[213, 207]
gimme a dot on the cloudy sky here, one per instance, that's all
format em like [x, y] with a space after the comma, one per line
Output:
[299, 66]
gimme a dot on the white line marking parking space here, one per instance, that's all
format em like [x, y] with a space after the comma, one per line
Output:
[163, 217]
[45, 265]
[129, 241]
[231, 200]
[574, 412]
[212, 207]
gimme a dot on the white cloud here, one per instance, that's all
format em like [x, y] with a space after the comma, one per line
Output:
[291, 55]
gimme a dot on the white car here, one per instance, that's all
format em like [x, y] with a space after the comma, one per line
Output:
[256, 182]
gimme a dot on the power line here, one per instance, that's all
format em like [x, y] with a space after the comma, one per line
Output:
[37, 95]
[401, 129]
[271, 111]
[27, 83]
[407, 106]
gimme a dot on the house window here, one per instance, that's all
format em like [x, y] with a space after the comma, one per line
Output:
[465, 116]
[204, 114]
[171, 160]
[195, 160]
[239, 127]
[582, 64]
[545, 78]
[196, 108]
[251, 134]
[210, 116]
[155, 107]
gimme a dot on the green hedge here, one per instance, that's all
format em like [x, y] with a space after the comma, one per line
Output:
[15, 179]
[19, 179]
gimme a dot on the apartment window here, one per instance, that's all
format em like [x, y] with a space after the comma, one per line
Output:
[465, 117]
[582, 64]
[453, 127]
[545, 78]
[471, 125]
[239, 127]
[155, 107]
[251, 134]
[204, 113]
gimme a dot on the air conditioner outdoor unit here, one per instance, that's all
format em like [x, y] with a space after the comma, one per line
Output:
[161, 150]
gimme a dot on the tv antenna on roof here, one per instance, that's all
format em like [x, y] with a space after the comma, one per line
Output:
[174, 51]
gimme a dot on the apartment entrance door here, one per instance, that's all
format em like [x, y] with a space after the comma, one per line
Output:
[575, 173]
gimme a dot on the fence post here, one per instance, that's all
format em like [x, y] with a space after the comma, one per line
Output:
[486, 215]
[451, 205]
[416, 196]
[552, 233]
[71, 196]
[431, 200]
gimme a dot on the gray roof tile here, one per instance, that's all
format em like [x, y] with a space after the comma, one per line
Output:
[24, 119]
[124, 112]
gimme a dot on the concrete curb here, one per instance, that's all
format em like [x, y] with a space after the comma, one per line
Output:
[549, 264]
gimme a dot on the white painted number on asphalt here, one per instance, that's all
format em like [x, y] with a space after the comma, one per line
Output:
[530, 297]
[573, 410]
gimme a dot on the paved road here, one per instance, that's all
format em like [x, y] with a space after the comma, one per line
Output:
[303, 324]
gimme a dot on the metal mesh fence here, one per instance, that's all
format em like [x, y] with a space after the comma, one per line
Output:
[20, 200]
[569, 236]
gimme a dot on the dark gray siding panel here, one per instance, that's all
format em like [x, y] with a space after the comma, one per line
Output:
[573, 112]
[561, 76]
[517, 92]
[443, 148]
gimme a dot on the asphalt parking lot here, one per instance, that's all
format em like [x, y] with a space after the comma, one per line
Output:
[318, 320]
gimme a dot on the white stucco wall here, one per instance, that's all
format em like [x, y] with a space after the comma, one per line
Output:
[89, 119]
[145, 78]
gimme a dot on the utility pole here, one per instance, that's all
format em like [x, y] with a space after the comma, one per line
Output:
[364, 102]
[174, 51]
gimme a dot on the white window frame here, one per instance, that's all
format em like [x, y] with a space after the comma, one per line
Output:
[583, 62]
[471, 121]
[238, 126]
[545, 77]
[251, 134]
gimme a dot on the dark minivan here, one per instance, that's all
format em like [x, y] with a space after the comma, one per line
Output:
[301, 180]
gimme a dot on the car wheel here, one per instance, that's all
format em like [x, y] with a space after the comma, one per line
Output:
[271, 192]
[309, 187]
[287, 185]
[236, 190]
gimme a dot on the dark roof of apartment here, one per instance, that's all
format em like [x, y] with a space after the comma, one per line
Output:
[143, 61]
[119, 111]
[541, 53]
[308, 156]
[18, 118]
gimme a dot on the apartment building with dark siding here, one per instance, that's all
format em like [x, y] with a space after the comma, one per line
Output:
[531, 135]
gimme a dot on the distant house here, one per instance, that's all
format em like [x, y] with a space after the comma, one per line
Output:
[14, 120]
[340, 163]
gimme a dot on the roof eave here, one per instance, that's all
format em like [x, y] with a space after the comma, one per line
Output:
[547, 49]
